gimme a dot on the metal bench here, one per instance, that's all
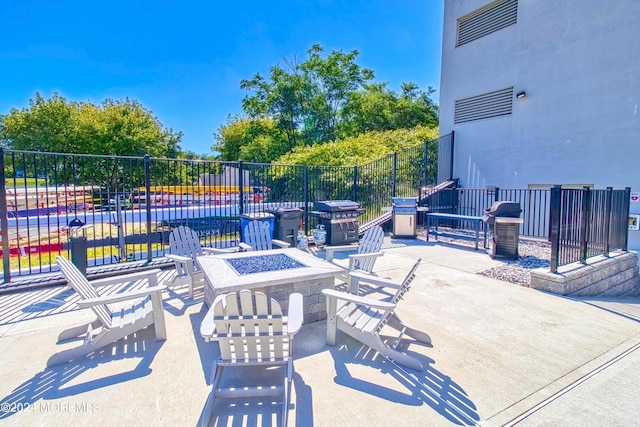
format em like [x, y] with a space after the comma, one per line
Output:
[478, 223]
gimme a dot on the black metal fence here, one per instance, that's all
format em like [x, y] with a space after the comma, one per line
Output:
[128, 205]
[535, 204]
[578, 223]
[586, 223]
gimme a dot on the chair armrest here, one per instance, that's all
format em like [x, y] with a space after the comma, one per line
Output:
[219, 251]
[296, 314]
[151, 275]
[369, 255]
[245, 247]
[355, 278]
[354, 257]
[369, 302]
[329, 250]
[207, 326]
[374, 280]
[105, 299]
[280, 243]
[178, 258]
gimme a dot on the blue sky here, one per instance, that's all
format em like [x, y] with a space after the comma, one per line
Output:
[184, 60]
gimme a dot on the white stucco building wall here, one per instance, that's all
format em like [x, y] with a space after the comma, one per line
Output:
[579, 63]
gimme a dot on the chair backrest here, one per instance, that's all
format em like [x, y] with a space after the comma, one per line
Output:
[371, 242]
[403, 289]
[249, 328]
[185, 242]
[258, 236]
[81, 285]
[406, 283]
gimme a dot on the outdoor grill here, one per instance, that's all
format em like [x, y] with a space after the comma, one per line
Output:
[501, 210]
[340, 219]
[503, 220]
[405, 211]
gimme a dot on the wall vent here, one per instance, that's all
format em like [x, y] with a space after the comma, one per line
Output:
[486, 20]
[492, 104]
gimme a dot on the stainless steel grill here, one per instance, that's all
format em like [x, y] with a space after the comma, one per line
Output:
[340, 219]
[405, 211]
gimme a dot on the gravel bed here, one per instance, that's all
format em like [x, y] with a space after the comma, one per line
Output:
[532, 254]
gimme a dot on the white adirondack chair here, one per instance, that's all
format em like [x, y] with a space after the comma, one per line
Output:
[251, 331]
[364, 317]
[113, 325]
[185, 247]
[368, 251]
[257, 235]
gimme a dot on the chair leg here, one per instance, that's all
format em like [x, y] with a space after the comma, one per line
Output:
[332, 325]
[76, 331]
[286, 393]
[400, 358]
[208, 407]
[398, 325]
[71, 354]
[158, 317]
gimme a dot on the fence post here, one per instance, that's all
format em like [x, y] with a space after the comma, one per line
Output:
[496, 194]
[395, 174]
[305, 189]
[453, 141]
[584, 224]
[627, 208]
[354, 191]
[425, 167]
[240, 192]
[607, 220]
[554, 226]
[4, 221]
[147, 185]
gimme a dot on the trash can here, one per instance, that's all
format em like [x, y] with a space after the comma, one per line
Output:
[287, 223]
[265, 217]
[503, 223]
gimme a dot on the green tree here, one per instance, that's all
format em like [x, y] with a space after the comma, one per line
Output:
[378, 108]
[305, 99]
[252, 140]
[123, 128]
[47, 125]
[361, 149]
[324, 98]
[113, 128]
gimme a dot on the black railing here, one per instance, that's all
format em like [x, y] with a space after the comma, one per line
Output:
[445, 157]
[473, 201]
[586, 223]
[130, 204]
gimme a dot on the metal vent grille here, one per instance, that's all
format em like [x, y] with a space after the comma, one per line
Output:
[492, 104]
[486, 20]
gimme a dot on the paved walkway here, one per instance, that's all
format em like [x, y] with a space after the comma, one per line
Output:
[502, 355]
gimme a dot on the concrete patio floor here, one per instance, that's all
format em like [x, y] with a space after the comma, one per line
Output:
[502, 354]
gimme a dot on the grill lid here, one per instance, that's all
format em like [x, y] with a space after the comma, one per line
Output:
[405, 202]
[503, 209]
[336, 205]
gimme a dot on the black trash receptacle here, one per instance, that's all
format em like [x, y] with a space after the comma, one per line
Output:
[287, 223]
